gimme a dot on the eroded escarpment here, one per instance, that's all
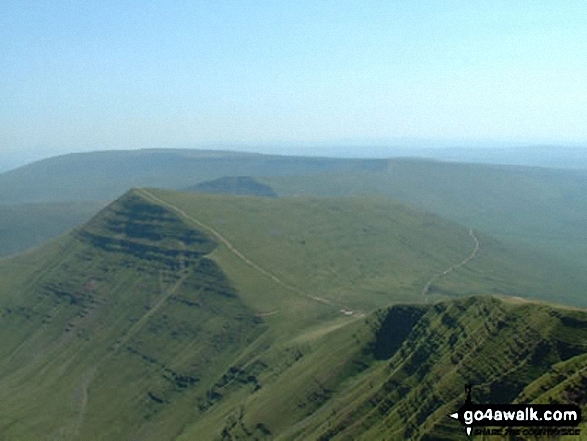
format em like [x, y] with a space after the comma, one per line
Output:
[136, 229]
[430, 351]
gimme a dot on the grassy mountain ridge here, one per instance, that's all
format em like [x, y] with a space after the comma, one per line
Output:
[174, 315]
[118, 296]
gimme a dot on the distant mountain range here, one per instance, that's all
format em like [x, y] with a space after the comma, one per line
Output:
[558, 156]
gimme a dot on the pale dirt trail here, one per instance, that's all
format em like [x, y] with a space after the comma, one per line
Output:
[454, 267]
[86, 380]
[238, 254]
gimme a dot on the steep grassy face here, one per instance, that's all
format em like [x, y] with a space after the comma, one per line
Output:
[121, 321]
[400, 372]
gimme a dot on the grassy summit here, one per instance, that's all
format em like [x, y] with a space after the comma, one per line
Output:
[174, 316]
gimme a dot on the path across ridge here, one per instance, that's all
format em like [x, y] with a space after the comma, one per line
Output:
[446, 272]
[241, 256]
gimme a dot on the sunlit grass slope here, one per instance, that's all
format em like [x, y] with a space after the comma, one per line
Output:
[175, 316]
[532, 205]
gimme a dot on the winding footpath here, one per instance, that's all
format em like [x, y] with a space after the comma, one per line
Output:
[455, 267]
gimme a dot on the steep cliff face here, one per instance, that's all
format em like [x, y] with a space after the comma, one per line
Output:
[417, 359]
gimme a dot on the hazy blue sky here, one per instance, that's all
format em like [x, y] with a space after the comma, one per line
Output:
[80, 75]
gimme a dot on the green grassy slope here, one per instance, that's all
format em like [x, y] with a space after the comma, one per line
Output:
[24, 226]
[538, 206]
[128, 311]
[180, 316]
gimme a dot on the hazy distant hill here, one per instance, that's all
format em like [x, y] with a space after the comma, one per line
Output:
[235, 185]
[102, 176]
[550, 156]
[25, 226]
[178, 316]
[106, 175]
[535, 156]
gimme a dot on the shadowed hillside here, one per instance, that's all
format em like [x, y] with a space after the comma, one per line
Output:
[235, 185]
[24, 226]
